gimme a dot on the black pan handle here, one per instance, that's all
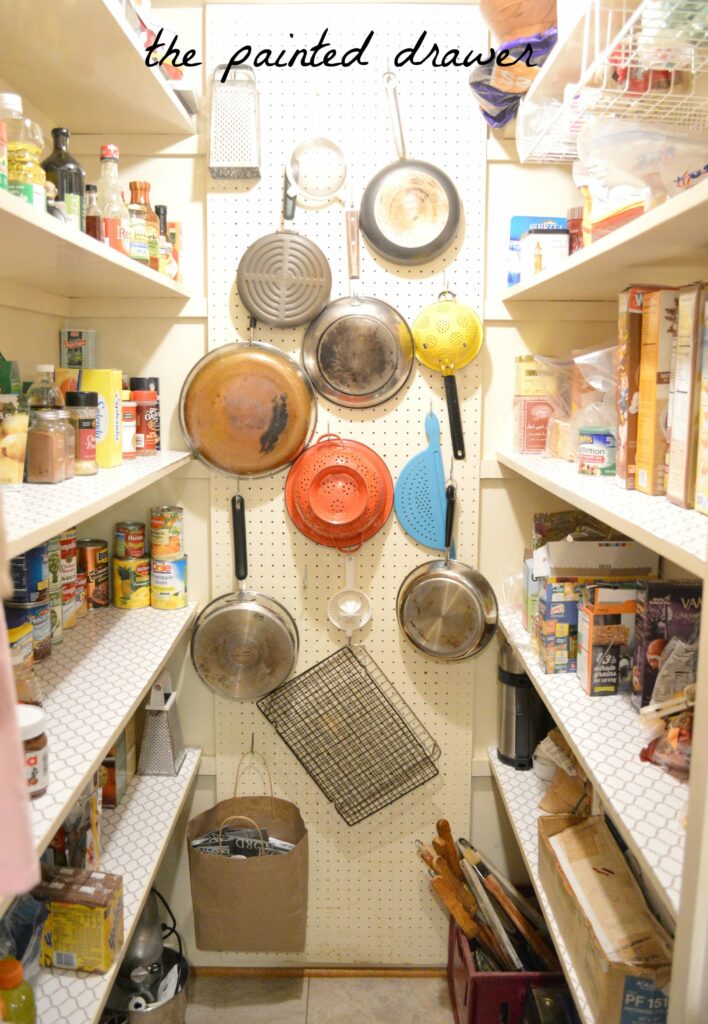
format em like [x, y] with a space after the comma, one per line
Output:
[238, 516]
[289, 201]
[451, 499]
[453, 412]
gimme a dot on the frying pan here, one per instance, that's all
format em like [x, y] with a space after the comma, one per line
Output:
[447, 610]
[316, 170]
[247, 409]
[358, 352]
[448, 335]
[243, 644]
[410, 210]
[284, 279]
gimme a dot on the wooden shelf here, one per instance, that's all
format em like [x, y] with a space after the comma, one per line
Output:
[80, 63]
[38, 251]
[667, 245]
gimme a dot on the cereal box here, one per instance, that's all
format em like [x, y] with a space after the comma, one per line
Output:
[683, 433]
[659, 327]
[606, 639]
[629, 342]
[665, 609]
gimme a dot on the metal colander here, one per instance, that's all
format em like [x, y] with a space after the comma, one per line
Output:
[447, 335]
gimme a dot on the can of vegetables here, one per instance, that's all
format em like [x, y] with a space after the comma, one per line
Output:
[131, 582]
[167, 532]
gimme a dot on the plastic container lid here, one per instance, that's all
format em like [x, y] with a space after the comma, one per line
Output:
[109, 152]
[44, 367]
[32, 722]
[88, 398]
[92, 188]
[11, 103]
[140, 384]
[11, 970]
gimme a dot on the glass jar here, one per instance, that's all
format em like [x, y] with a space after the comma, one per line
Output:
[82, 407]
[69, 444]
[46, 447]
[32, 724]
[147, 419]
[44, 393]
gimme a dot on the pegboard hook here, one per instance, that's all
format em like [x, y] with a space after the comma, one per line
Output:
[253, 740]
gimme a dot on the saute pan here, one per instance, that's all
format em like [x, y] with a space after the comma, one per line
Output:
[410, 210]
[447, 610]
[243, 644]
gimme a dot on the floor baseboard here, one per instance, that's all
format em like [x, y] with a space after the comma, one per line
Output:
[318, 972]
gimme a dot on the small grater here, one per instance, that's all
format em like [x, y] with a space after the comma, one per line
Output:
[162, 751]
[234, 134]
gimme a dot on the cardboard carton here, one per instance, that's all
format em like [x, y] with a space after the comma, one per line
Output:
[665, 609]
[701, 495]
[659, 327]
[629, 344]
[109, 425]
[620, 952]
[606, 639]
[590, 560]
[683, 424]
[84, 930]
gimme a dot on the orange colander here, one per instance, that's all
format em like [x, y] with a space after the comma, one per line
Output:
[339, 492]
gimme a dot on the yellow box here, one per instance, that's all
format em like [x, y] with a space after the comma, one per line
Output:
[659, 332]
[84, 930]
[109, 425]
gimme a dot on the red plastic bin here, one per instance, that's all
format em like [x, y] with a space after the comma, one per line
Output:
[486, 997]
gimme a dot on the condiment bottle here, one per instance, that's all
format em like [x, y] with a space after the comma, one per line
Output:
[94, 220]
[116, 225]
[137, 228]
[146, 425]
[129, 417]
[46, 447]
[25, 177]
[82, 407]
[140, 197]
[69, 444]
[164, 244]
[32, 723]
[44, 393]
[17, 1005]
[68, 176]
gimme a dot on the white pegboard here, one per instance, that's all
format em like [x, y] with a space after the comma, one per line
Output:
[369, 898]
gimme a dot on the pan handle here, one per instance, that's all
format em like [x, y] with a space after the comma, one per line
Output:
[453, 412]
[451, 499]
[238, 514]
[353, 248]
[289, 201]
[394, 113]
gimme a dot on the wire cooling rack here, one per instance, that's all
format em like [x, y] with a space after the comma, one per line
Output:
[353, 733]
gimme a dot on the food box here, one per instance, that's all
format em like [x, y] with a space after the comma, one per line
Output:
[109, 428]
[77, 349]
[556, 643]
[543, 249]
[701, 497]
[659, 327]
[620, 952]
[665, 609]
[591, 560]
[84, 929]
[531, 416]
[532, 586]
[519, 226]
[558, 601]
[606, 639]
[685, 400]
[629, 343]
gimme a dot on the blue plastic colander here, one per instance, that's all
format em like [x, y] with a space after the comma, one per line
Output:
[419, 497]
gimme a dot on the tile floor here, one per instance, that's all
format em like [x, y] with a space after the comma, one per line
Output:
[318, 1001]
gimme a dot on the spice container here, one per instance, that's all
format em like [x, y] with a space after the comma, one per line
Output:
[14, 423]
[83, 410]
[32, 725]
[149, 384]
[69, 444]
[46, 447]
[129, 416]
[93, 560]
[146, 423]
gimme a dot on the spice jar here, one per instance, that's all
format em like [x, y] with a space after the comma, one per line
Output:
[575, 227]
[128, 416]
[46, 447]
[69, 445]
[82, 407]
[32, 725]
[147, 420]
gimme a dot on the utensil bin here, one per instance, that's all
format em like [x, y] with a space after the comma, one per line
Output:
[486, 997]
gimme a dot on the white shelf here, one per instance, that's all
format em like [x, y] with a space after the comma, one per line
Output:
[38, 251]
[81, 64]
[645, 803]
[36, 512]
[667, 245]
[135, 836]
[678, 534]
[92, 684]
[521, 792]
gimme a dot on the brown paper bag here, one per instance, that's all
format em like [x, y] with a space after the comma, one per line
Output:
[258, 904]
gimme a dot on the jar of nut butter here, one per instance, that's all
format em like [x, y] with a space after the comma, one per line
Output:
[32, 725]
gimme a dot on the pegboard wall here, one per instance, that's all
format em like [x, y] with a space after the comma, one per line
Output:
[369, 896]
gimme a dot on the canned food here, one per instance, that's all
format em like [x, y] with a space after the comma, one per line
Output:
[68, 551]
[21, 647]
[38, 616]
[56, 622]
[168, 585]
[81, 601]
[30, 576]
[54, 564]
[129, 540]
[93, 560]
[167, 532]
[68, 604]
[131, 582]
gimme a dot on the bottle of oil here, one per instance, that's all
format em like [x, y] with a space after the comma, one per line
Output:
[26, 178]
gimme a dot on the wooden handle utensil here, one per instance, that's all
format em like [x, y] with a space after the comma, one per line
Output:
[445, 833]
[461, 916]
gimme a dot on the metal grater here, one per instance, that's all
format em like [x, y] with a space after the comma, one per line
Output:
[234, 136]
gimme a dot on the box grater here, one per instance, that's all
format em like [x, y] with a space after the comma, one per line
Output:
[234, 132]
[162, 751]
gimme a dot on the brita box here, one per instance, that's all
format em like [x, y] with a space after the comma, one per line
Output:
[667, 610]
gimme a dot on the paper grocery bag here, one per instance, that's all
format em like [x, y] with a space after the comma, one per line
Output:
[259, 904]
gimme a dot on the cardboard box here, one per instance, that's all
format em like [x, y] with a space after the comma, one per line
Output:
[659, 327]
[84, 930]
[606, 620]
[543, 249]
[701, 495]
[519, 226]
[77, 349]
[558, 601]
[556, 644]
[109, 425]
[532, 586]
[590, 560]
[685, 398]
[629, 343]
[620, 952]
[531, 416]
[665, 609]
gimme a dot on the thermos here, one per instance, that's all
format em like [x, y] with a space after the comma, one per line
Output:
[523, 720]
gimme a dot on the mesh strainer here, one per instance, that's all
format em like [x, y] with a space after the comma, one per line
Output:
[448, 335]
[349, 609]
